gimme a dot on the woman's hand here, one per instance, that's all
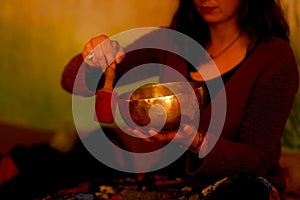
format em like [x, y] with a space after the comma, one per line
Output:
[187, 136]
[101, 52]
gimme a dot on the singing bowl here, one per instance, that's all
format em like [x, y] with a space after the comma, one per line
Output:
[162, 105]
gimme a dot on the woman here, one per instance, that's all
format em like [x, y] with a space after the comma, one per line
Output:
[248, 41]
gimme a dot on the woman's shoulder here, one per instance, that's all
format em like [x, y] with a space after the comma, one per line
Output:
[272, 52]
[274, 55]
[268, 57]
[278, 48]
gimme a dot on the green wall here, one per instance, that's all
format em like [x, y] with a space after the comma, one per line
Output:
[39, 37]
[35, 44]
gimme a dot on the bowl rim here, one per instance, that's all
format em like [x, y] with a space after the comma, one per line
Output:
[126, 95]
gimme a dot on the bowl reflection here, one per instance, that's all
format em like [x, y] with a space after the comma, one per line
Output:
[162, 105]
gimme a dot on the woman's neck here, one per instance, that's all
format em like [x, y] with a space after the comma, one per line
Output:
[227, 47]
[223, 33]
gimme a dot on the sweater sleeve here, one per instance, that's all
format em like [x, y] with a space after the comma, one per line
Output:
[257, 146]
[80, 79]
[77, 70]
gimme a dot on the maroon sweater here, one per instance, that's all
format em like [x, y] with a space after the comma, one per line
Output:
[259, 95]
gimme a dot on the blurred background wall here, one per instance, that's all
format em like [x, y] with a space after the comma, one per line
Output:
[39, 37]
[291, 135]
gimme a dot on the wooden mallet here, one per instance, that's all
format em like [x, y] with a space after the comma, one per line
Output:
[106, 99]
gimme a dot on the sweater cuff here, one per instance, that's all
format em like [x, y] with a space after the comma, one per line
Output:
[86, 81]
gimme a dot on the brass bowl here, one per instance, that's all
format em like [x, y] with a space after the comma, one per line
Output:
[162, 105]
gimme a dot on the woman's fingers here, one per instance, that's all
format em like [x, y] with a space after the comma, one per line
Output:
[186, 135]
[188, 130]
[147, 135]
[106, 54]
[118, 50]
[88, 54]
[102, 52]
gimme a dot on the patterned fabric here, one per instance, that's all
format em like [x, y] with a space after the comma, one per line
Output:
[163, 188]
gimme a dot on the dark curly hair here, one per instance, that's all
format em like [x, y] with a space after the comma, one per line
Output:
[260, 19]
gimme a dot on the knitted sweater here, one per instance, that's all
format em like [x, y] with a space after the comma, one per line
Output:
[259, 97]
